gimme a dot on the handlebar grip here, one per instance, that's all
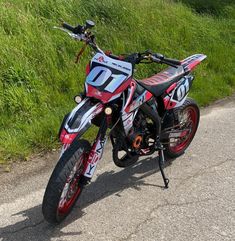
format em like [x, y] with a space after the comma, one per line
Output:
[67, 26]
[172, 61]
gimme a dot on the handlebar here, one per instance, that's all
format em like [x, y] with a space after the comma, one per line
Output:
[171, 61]
[68, 27]
[159, 58]
[80, 33]
[79, 29]
[138, 58]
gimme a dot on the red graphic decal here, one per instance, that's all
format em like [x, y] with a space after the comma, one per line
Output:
[148, 96]
[132, 91]
[192, 61]
[105, 96]
[192, 65]
[93, 157]
[101, 59]
[169, 104]
[88, 69]
[67, 138]
[164, 76]
[171, 88]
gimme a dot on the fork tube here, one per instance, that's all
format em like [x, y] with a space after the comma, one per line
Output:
[96, 151]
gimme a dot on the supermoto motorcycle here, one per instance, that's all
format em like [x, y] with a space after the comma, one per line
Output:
[140, 117]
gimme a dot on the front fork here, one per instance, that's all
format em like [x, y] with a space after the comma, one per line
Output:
[96, 152]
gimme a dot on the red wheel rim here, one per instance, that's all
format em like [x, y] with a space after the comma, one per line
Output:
[71, 189]
[192, 120]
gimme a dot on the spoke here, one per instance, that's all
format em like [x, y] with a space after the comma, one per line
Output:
[71, 187]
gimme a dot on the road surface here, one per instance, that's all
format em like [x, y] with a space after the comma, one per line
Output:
[129, 204]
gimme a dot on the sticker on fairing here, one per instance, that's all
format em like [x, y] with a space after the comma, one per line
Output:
[94, 157]
[108, 74]
[102, 76]
[182, 90]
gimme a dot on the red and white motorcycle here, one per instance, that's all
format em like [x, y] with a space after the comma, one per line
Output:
[140, 116]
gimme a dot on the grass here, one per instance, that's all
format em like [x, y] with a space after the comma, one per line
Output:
[38, 77]
[215, 7]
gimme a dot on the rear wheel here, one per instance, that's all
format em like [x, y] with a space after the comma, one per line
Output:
[189, 116]
[65, 184]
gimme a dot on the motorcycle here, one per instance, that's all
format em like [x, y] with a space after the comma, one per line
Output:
[140, 117]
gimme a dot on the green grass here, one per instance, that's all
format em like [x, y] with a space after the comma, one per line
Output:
[38, 77]
[218, 8]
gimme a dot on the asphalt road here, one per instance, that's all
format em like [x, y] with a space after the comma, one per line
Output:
[129, 204]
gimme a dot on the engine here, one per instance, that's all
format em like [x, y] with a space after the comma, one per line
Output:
[140, 134]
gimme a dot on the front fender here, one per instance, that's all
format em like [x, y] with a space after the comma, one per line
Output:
[79, 120]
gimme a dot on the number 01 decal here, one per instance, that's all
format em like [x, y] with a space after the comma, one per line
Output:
[103, 77]
[182, 90]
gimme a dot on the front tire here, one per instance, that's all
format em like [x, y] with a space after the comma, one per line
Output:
[191, 110]
[65, 184]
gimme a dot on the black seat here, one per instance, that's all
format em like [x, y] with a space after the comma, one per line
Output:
[158, 83]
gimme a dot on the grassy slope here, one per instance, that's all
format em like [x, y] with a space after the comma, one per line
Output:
[38, 77]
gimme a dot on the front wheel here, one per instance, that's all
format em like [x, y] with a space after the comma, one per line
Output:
[65, 186]
[188, 117]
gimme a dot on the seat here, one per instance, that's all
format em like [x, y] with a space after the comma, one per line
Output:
[158, 83]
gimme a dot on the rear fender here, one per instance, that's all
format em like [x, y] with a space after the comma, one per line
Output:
[192, 61]
[79, 120]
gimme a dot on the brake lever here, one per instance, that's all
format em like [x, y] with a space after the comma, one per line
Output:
[73, 35]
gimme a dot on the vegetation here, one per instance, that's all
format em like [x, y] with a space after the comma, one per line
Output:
[216, 7]
[38, 77]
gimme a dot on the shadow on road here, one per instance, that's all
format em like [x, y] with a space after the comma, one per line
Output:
[33, 227]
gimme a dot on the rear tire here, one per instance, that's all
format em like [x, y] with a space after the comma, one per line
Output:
[65, 186]
[190, 108]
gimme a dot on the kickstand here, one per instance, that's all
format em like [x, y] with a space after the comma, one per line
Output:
[161, 161]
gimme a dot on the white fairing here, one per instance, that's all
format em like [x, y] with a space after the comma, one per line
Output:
[180, 93]
[108, 73]
[86, 117]
[128, 119]
[119, 65]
